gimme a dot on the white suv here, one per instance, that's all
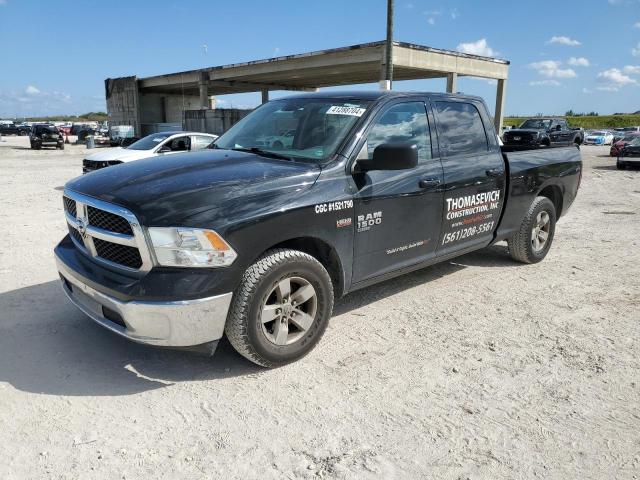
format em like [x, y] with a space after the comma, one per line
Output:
[153, 145]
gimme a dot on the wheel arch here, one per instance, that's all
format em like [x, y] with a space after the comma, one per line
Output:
[553, 193]
[322, 251]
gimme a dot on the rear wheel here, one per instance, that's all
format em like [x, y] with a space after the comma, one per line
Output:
[621, 165]
[532, 242]
[281, 308]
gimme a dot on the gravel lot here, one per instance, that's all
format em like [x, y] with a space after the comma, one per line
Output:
[475, 368]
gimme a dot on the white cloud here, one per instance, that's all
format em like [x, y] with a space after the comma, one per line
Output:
[586, 90]
[3, 2]
[636, 25]
[578, 62]
[562, 40]
[480, 47]
[455, 14]
[545, 83]
[490, 81]
[636, 50]
[613, 79]
[432, 15]
[633, 69]
[551, 69]
[31, 90]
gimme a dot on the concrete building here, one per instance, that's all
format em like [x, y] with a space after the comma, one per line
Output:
[158, 102]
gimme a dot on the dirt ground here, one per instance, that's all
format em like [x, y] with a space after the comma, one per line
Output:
[475, 368]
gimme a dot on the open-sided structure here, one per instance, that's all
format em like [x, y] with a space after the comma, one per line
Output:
[163, 98]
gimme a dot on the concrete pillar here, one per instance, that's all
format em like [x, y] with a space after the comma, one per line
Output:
[212, 103]
[203, 84]
[499, 113]
[265, 96]
[452, 82]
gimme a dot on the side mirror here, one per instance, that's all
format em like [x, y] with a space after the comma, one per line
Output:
[391, 156]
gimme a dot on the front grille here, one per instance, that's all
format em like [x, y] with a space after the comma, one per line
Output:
[116, 253]
[108, 221]
[92, 165]
[70, 206]
[76, 235]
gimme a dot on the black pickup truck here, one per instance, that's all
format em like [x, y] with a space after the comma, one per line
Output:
[542, 132]
[257, 242]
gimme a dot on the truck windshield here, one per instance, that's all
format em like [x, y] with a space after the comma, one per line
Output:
[537, 124]
[148, 142]
[309, 128]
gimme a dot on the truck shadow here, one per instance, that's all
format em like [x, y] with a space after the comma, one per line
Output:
[49, 347]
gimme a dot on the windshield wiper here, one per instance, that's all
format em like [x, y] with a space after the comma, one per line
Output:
[261, 152]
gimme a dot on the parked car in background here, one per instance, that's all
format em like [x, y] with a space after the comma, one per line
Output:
[629, 155]
[152, 145]
[9, 129]
[46, 136]
[620, 133]
[619, 144]
[599, 137]
[542, 132]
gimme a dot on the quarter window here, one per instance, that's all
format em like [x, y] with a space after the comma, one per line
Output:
[200, 142]
[460, 129]
[402, 123]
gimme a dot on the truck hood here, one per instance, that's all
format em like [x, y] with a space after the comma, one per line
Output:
[199, 189]
[525, 130]
[119, 153]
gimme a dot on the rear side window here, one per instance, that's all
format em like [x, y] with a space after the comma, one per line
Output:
[200, 142]
[460, 129]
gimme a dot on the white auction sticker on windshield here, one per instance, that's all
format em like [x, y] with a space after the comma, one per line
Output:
[339, 110]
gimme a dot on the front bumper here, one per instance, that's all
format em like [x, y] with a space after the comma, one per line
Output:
[183, 323]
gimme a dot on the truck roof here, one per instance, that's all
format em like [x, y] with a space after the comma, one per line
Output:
[375, 94]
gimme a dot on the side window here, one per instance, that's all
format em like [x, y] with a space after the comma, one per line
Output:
[200, 142]
[460, 129]
[402, 123]
[180, 144]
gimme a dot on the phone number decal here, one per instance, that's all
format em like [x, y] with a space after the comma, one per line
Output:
[467, 232]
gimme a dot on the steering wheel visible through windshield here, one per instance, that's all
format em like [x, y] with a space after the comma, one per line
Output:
[299, 128]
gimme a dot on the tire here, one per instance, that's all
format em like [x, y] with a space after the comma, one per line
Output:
[523, 246]
[620, 165]
[36, 146]
[278, 145]
[260, 294]
[60, 146]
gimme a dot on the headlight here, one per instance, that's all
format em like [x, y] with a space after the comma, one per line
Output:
[190, 247]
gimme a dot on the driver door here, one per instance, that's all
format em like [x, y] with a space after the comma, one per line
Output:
[397, 212]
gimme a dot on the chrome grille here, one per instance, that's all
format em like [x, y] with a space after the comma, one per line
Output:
[108, 221]
[109, 234]
[69, 205]
[116, 253]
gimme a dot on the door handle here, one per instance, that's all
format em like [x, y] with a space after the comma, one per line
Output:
[494, 172]
[429, 182]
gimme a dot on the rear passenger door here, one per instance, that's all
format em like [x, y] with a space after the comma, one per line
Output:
[474, 174]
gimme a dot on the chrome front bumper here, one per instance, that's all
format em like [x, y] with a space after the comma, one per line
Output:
[168, 324]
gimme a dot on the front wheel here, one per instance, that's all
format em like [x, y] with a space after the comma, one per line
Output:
[621, 165]
[532, 242]
[281, 308]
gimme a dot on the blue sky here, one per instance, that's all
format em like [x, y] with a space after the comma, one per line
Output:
[565, 54]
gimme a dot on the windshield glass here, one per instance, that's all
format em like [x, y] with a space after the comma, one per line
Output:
[148, 142]
[635, 142]
[309, 128]
[538, 124]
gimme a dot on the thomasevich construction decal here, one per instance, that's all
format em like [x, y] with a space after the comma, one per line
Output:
[472, 212]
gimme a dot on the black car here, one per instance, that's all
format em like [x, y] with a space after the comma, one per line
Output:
[542, 132]
[46, 136]
[9, 129]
